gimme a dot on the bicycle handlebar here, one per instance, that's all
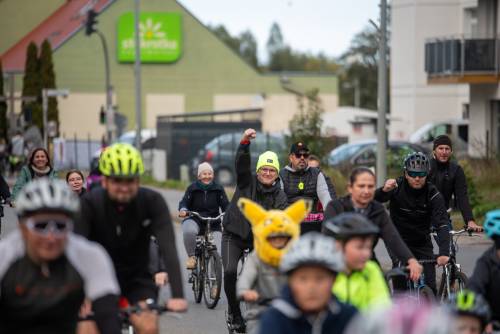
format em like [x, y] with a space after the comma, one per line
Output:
[197, 215]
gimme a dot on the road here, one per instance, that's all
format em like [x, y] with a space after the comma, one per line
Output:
[200, 320]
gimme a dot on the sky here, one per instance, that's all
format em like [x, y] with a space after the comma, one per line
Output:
[307, 25]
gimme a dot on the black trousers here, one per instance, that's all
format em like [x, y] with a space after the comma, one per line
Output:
[232, 250]
[306, 227]
[421, 253]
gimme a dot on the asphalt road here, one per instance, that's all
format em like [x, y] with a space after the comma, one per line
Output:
[200, 320]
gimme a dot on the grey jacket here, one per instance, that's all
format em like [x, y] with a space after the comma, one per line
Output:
[261, 277]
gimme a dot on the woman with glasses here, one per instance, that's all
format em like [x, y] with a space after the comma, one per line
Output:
[75, 180]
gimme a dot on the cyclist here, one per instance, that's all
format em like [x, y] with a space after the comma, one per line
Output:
[449, 178]
[122, 216]
[472, 312]
[361, 190]
[405, 316]
[301, 181]
[361, 283]
[307, 304]
[46, 270]
[75, 180]
[486, 275]
[274, 231]
[265, 190]
[207, 198]
[416, 206]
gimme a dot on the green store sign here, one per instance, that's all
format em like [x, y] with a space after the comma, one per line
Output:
[160, 37]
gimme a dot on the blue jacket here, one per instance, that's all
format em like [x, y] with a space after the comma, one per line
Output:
[285, 317]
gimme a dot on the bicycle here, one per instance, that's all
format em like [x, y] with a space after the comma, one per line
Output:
[416, 290]
[206, 277]
[453, 280]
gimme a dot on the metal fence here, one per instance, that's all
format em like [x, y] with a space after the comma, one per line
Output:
[74, 153]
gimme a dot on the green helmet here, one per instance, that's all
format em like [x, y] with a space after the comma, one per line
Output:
[121, 160]
[467, 302]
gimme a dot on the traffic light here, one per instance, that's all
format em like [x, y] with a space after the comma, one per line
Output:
[102, 116]
[90, 23]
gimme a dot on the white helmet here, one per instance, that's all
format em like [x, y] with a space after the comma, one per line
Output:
[313, 249]
[46, 194]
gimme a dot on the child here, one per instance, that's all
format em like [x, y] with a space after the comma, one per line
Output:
[362, 283]
[273, 231]
[306, 304]
[472, 312]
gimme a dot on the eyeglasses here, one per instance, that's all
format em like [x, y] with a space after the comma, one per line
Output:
[44, 227]
[301, 155]
[415, 174]
[268, 170]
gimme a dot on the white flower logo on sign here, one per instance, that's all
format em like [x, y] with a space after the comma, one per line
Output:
[151, 30]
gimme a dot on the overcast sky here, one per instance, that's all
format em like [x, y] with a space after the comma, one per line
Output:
[307, 25]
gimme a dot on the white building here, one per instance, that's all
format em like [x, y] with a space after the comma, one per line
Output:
[445, 64]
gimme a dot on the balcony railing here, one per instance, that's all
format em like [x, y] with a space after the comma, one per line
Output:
[462, 56]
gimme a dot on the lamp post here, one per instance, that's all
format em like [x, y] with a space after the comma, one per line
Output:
[382, 97]
[46, 93]
[137, 71]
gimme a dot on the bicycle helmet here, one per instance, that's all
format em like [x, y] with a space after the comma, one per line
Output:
[405, 316]
[44, 195]
[348, 225]
[313, 249]
[121, 160]
[492, 224]
[416, 162]
[470, 303]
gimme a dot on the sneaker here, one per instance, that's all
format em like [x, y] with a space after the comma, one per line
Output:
[191, 263]
[238, 324]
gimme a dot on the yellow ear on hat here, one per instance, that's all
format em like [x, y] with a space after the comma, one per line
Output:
[299, 210]
[251, 210]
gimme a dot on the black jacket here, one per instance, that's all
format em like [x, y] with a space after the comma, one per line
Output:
[207, 202]
[449, 179]
[486, 280]
[309, 184]
[415, 211]
[248, 186]
[377, 214]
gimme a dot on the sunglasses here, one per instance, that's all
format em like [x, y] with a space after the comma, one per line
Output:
[415, 174]
[301, 155]
[44, 227]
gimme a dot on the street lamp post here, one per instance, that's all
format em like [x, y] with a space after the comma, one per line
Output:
[46, 93]
[137, 71]
[382, 97]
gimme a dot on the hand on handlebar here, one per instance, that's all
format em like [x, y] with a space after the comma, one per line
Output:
[442, 260]
[415, 269]
[177, 305]
[250, 296]
[473, 227]
[183, 213]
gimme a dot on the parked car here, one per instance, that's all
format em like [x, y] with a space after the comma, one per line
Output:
[220, 153]
[364, 153]
[456, 129]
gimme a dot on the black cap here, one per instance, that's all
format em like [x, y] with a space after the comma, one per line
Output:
[298, 147]
[442, 140]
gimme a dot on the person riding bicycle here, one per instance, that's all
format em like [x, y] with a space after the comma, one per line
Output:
[415, 207]
[449, 179]
[486, 276]
[274, 231]
[360, 199]
[472, 312]
[46, 271]
[361, 283]
[301, 181]
[208, 199]
[306, 305]
[122, 216]
[264, 189]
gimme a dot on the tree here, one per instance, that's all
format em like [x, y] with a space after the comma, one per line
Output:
[275, 42]
[48, 79]
[3, 108]
[245, 44]
[32, 86]
[306, 125]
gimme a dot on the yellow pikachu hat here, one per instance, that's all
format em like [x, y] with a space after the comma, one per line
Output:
[273, 223]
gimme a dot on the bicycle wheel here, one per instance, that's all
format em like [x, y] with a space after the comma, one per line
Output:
[425, 295]
[212, 279]
[458, 282]
[198, 280]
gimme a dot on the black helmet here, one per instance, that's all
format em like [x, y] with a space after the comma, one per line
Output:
[416, 162]
[470, 303]
[348, 225]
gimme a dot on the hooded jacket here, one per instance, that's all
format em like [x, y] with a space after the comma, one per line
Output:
[285, 317]
[485, 280]
[248, 186]
[378, 215]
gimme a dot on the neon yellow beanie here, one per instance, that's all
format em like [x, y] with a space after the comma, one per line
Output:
[268, 158]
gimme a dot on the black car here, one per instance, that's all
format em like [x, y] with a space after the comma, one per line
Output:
[364, 153]
[221, 151]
